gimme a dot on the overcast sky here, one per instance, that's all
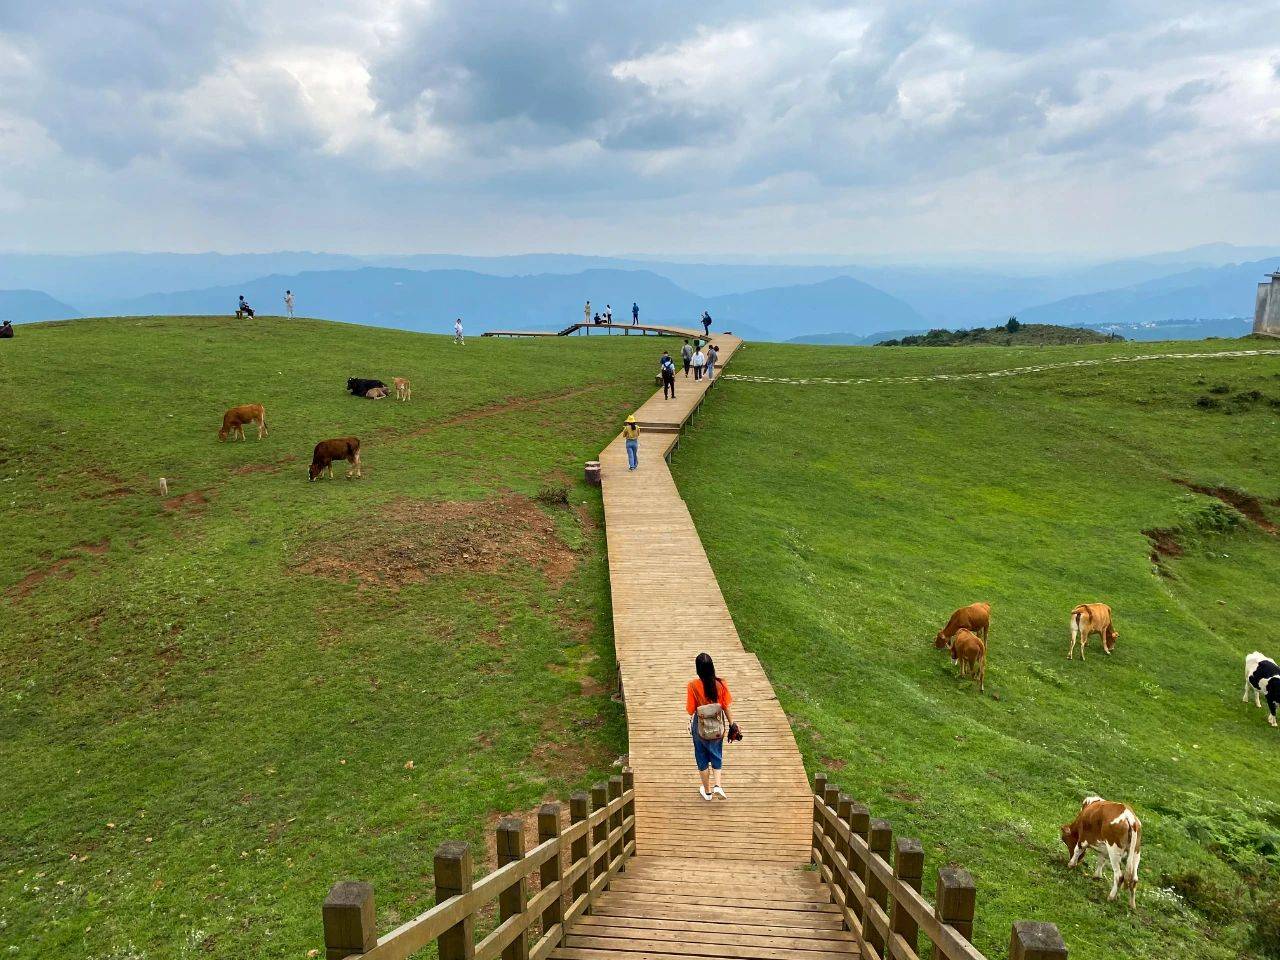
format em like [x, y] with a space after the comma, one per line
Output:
[1088, 126]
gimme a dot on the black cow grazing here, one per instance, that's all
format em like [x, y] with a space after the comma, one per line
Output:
[329, 451]
[6, 330]
[360, 387]
[1262, 674]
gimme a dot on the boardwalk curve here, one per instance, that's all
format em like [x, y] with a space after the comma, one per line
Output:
[757, 900]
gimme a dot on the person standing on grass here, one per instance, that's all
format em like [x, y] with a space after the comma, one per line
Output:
[707, 701]
[635, 313]
[458, 338]
[667, 367]
[288, 303]
[686, 354]
[699, 361]
[712, 356]
[631, 434]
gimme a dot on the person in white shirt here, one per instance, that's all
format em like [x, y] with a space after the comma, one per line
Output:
[699, 361]
[608, 314]
[586, 313]
[458, 338]
[288, 303]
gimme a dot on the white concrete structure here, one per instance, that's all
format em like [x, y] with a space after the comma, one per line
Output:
[1266, 315]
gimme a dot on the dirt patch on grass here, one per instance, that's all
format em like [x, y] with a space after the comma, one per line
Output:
[56, 569]
[412, 541]
[1248, 505]
[191, 501]
[1164, 546]
[265, 467]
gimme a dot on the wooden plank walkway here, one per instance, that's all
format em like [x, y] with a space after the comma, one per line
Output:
[724, 878]
[661, 329]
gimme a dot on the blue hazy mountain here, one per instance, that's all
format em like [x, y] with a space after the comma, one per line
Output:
[29, 306]
[430, 299]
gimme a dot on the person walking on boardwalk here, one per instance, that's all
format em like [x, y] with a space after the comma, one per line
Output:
[667, 367]
[707, 702]
[288, 303]
[699, 361]
[712, 356]
[635, 313]
[686, 354]
[458, 338]
[631, 434]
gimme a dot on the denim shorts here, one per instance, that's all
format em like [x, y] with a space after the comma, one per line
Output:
[707, 753]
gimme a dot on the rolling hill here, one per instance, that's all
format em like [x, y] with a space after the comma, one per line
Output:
[25, 306]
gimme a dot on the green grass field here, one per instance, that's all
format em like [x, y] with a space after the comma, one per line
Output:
[211, 700]
[845, 522]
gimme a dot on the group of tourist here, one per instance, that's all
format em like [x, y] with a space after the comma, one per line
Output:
[596, 319]
[244, 310]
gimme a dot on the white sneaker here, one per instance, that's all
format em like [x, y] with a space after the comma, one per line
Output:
[718, 791]
[703, 792]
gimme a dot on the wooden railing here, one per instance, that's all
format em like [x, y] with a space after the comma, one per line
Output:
[599, 841]
[881, 903]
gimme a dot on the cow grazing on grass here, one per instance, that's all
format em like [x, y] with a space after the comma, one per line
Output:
[360, 387]
[233, 421]
[1111, 829]
[329, 451]
[1262, 674]
[404, 389]
[970, 651]
[975, 617]
[1088, 619]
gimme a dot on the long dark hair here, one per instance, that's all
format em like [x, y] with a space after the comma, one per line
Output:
[706, 671]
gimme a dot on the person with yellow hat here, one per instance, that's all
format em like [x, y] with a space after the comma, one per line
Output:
[631, 433]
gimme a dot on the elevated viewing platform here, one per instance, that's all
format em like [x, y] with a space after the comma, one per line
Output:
[660, 329]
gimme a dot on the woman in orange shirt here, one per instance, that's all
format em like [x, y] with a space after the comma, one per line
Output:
[707, 700]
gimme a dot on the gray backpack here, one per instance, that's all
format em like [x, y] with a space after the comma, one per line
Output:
[712, 723]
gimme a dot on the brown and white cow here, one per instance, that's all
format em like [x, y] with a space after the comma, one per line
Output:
[328, 451]
[975, 617]
[404, 390]
[1112, 829]
[1088, 619]
[233, 421]
[970, 651]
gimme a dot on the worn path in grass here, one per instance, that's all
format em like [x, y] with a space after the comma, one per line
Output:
[667, 608]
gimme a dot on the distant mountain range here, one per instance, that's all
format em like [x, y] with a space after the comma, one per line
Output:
[807, 301]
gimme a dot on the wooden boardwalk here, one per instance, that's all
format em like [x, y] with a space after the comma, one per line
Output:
[725, 878]
[661, 329]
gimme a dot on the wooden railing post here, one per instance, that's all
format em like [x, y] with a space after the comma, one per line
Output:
[830, 800]
[843, 808]
[348, 920]
[880, 840]
[956, 898]
[629, 808]
[552, 869]
[615, 818]
[1036, 941]
[513, 900]
[908, 868]
[579, 810]
[600, 800]
[859, 820]
[819, 791]
[453, 873]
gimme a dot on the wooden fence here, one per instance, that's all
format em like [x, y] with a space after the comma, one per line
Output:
[882, 904]
[598, 842]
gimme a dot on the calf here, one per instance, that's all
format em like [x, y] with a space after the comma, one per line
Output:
[327, 451]
[1261, 673]
[1088, 619]
[376, 393]
[233, 420]
[1113, 829]
[975, 617]
[970, 651]
[360, 386]
[403, 389]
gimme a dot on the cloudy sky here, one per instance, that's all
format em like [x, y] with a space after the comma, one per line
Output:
[1088, 126]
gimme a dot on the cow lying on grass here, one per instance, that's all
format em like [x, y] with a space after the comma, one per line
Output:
[970, 651]
[1088, 619]
[328, 451]
[376, 393]
[1111, 829]
[1262, 674]
[360, 387]
[233, 421]
[975, 617]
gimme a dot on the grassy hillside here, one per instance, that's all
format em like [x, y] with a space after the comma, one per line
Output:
[217, 703]
[1025, 335]
[855, 517]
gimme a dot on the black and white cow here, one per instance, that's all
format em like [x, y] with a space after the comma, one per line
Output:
[1262, 674]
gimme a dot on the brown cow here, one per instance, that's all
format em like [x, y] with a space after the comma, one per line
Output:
[327, 451]
[975, 617]
[970, 651]
[1113, 829]
[404, 390]
[233, 420]
[1088, 619]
